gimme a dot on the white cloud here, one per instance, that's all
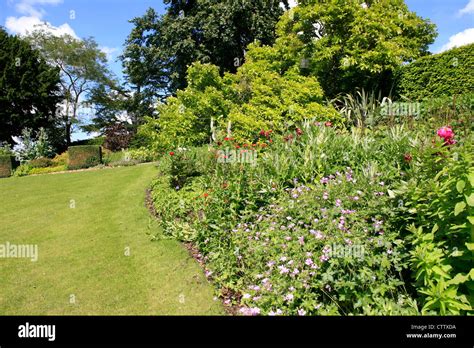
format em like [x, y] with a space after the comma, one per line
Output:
[469, 8]
[110, 52]
[24, 25]
[29, 7]
[460, 39]
[32, 19]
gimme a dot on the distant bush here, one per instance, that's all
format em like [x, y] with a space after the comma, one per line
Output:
[84, 156]
[22, 170]
[60, 160]
[5, 166]
[93, 141]
[117, 137]
[47, 170]
[445, 74]
[143, 154]
[41, 162]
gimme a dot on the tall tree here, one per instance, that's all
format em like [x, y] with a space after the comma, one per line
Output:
[82, 64]
[353, 43]
[29, 89]
[159, 49]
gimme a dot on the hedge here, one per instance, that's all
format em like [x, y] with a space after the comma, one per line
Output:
[445, 74]
[5, 166]
[84, 156]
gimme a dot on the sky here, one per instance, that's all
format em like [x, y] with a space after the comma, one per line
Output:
[107, 20]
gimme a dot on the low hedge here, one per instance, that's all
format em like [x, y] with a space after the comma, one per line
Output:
[84, 156]
[5, 166]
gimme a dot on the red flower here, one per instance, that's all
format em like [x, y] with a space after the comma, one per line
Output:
[226, 139]
[299, 131]
[205, 195]
[171, 153]
[407, 157]
[262, 133]
[328, 124]
[237, 146]
[253, 145]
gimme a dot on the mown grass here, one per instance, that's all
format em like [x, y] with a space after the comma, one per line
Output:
[84, 224]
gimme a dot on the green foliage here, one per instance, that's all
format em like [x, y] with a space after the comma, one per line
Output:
[438, 201]
[5, 149]
[5, 165]
[251, 100]
[84, 156]
[41, 162]
[47, 170]
[159, 49]
[94, 141]
[82, 65]
[60, 160]
[142, 154]
[347, 45]
[22, 170]
[32, 147]
[445, 74]
[27, 83]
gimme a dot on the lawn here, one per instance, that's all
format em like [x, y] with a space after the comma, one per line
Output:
[95, 251]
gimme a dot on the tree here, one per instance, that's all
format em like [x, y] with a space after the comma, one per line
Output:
[29, 89]
[159, 49]
[353, 43]
[82, 65]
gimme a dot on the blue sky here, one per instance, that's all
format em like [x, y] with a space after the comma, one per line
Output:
[107, 20]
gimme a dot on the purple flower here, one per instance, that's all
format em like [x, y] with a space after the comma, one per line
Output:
[338, 202]
[301, 312]
[324, 180]
[301, 240]
[308, 262]
[325, 195]
[283, 269]
[246, 296]
[289, 297]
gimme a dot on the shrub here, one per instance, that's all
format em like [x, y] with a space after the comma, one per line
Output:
[47, 170]
[60, 160]
[445, 74]
[117, 137]
[436, 216]
[22, 170]
[84, 156]
[41, 162]
[5, 149]
[5, 165]
[31, 147]
[143, 154]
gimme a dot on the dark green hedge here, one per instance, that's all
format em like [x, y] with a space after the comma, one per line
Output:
[445, 74]
[84, 156]
[5, 166]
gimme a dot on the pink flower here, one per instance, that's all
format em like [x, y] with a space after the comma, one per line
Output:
[445, 133]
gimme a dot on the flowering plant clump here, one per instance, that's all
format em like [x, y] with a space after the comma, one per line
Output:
[447, 134]
[321, 224]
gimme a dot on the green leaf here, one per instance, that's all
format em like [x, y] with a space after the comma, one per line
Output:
[470, 199]
[391, 194]
[471, 219]
[470, 176]
[460, 185]
[459, 278]
[459, 208]
[470, 246]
